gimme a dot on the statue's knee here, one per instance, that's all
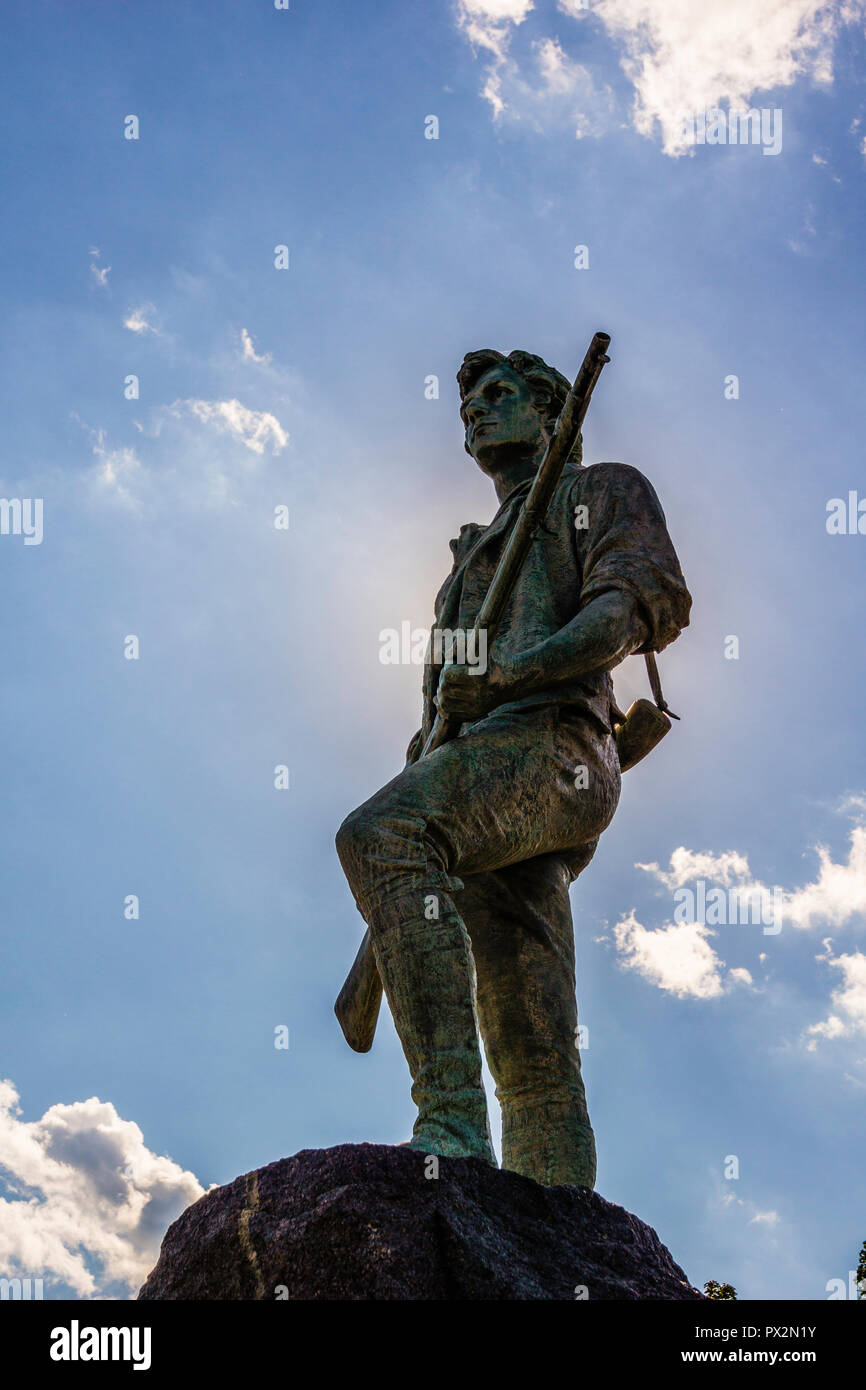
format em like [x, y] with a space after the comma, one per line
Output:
[351, 837]
[381, 843]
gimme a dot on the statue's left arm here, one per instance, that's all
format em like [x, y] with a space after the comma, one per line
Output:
[633, 597]
[602, 635]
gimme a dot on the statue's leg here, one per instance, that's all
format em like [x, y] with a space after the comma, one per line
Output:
[501, 793]
[428, 975]
[520, 923]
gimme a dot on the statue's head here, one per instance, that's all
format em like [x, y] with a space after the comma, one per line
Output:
[509, 406]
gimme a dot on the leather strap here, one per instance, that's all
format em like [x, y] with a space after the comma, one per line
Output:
[656, 685]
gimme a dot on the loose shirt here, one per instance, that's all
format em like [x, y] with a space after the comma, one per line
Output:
[605, 530]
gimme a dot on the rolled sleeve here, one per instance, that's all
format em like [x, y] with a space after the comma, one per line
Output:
[624, 544]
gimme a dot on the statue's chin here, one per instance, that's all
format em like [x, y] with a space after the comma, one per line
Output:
[504, 458]
[493, 456]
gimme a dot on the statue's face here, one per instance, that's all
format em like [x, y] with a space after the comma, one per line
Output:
[501, 419]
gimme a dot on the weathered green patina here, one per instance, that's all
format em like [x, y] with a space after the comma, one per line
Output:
[461, 865]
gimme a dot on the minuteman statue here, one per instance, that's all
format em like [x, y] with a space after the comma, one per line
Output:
[461, 865]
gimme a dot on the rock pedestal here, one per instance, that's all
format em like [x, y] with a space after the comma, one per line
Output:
[369, 1221]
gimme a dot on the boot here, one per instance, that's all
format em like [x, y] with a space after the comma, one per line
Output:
[428, 976]
[550, 1140]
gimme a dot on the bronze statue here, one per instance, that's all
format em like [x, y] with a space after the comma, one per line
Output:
[461, 865]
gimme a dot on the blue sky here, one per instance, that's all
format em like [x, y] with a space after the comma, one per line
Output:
[139, 1053]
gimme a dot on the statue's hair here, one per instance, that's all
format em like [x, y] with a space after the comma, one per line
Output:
[548, 387]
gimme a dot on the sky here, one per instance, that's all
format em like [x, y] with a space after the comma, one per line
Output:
[228, 469]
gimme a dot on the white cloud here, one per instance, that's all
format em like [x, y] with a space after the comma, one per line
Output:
[848, 1002]
[680, 959]
[838, 893]
[488, 23]
[769, 1225]
[253, 428]
[740, 976]
[764, 1218]
[686, 865]
[189, 472]
[835, 897]
[139, 320]
[677, 957]
[557, 89]
[557, 70]
[681, 57]
[99, 272]
[118, 473]
[249, 353]
[83, 1191]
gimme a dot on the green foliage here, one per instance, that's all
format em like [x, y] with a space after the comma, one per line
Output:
[861, 1272]
[714, 1290]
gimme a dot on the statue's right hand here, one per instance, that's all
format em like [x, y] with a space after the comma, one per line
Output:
[414, 750]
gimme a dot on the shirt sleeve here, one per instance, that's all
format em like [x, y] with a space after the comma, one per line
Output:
[622, 543]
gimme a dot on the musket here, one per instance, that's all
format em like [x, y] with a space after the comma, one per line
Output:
[358, 1003]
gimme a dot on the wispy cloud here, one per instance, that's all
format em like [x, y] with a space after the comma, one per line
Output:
[255, 429]
[140, 320]
[248, 351]
[118, 473]
[187, 471]
[86, 1201]
[552, 88]
[490, 25]
[99, 272]
[765, 1218]
[758, 1217]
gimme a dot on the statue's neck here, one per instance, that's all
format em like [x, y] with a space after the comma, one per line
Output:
[510, 475]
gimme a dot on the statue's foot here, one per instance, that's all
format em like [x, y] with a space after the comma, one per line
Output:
[436, 1139]
[549, 1141]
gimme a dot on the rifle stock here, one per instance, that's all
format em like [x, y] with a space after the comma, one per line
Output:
[358, 1002]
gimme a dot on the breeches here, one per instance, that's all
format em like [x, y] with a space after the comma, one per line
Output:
[494, 826]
